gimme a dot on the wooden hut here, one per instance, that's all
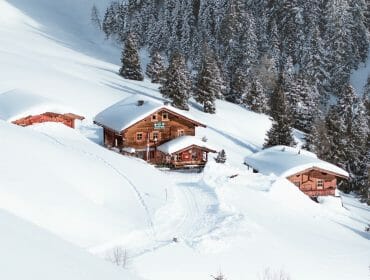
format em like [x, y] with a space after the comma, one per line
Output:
[311, 175]
[25, 108]
[68, 119]
[184, 151]
[138, 125]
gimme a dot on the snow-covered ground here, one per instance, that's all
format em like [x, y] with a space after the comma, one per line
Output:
[29, 252]
[60, 190]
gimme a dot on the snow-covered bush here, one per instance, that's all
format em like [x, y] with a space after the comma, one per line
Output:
[221, 157]
[270, 274]
[119, 257]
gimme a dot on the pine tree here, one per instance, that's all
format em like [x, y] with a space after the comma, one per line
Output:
[280, 132]
[336, 130]
[95, 17]
[305, 106]
[109, 22]
[344, 128]
[256, 99]
[155, 70]
[177, 84]
[130, 60]
[221, 156]
[208, 85]
[315, 64]
[359, 160]
[338, 42]
[317, 139]
[239, 86]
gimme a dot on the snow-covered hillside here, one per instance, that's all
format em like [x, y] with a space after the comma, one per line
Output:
[28, 252]
[58, 181]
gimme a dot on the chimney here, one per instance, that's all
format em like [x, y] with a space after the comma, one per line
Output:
[140, 102]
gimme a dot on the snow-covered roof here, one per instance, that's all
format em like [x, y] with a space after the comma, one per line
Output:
[181, 143]
[128, 112]
[18, 103]
[285, 161]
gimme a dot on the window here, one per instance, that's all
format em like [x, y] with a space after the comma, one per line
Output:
[165, 116]
[155, 136]
[139, 136]
[154, 118]
[320, 184]
[180, 132]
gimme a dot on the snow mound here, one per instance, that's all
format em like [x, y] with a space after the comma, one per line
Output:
[19, 103]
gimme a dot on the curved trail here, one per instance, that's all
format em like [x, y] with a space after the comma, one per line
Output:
[117, 171]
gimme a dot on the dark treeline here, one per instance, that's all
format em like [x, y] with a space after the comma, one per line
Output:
[285, 58]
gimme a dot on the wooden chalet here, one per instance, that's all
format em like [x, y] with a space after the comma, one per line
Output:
[184, 151]
[138, 125]
[24, 108]
[311, 175]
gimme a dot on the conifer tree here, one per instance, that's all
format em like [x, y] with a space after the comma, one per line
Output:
[317, 139]
[208, 85]
[340, 122]
[304, 105]
[95, 17]
[239, 86]
[155, 70]
[109, 22]
[280, 132]
[359, 150]
[177, 84]
[130, 60]
[221, 156]
[256, 99]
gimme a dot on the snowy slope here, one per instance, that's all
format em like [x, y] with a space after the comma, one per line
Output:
[259, 225]
[57, 179]
[91, 194]
[28, 252]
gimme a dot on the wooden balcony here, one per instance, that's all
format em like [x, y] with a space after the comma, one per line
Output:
[315, 193]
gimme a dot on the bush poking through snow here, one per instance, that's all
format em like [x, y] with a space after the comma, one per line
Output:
[270, 274]
[221, 157]
[119, 257]
[219, 276]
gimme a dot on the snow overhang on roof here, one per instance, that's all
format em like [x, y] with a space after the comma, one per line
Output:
[284, 161]
[19, 103]
[182, 143]
[133, 109]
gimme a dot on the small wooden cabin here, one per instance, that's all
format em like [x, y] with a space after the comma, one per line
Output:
[185, 151]
[25, 108]
[316, 181]
[311, 175]
[138, 125]
[66, 119]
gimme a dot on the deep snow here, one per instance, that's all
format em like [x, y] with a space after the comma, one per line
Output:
[56, 178]
[28, 252]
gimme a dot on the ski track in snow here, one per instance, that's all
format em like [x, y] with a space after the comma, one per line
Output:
[118, 172]
[201, 209]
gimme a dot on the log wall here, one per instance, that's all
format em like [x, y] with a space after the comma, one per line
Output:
[315, 182]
